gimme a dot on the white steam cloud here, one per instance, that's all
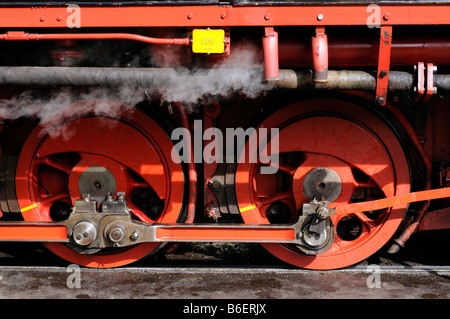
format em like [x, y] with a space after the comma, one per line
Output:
[51, 109]
[241, 72]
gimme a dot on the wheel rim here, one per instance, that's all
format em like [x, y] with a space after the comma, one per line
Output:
[97, 154]
[349, 146]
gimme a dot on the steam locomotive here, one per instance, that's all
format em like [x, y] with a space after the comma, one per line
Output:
[318, 129]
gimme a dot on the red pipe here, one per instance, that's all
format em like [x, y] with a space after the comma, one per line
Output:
[319, 45]
[23, 36]
[270, 49]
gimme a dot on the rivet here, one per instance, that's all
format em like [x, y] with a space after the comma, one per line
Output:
[267, 16]
[320, 17]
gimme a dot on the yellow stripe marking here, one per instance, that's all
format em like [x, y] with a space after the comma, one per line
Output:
[247, 208]
[28, 208]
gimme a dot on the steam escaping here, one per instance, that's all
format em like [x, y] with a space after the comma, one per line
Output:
[241, 72]
[52, 108]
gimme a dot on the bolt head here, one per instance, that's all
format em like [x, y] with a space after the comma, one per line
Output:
[320, 17]
[84, 233]
[116, 233]
[322, 212]
[135, 235]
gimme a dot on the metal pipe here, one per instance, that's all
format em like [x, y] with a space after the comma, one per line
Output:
[344, 80]
[24, 36]
[146, 78]
[270, 49]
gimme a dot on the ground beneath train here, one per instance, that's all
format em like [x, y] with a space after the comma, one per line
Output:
[230, 271]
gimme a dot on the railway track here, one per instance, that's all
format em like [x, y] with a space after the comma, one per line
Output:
[194, 272]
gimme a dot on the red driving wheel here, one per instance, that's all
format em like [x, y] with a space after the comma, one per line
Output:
[99, 154]
[331, 150]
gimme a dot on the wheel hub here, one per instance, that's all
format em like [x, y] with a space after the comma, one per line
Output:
[322, 184]
[97, 181]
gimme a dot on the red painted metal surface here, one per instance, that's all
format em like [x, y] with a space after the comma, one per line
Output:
[420, 81]
[435, 220]
[354, 50]
[354, 140]
[393, 201]
[195, 16]
[430, 82]
[24, 36]
[135, 149]
[384, 60]
[33, 233]
[270, 51]
[362, 49]
[224, 234]
[346, 146]
[319, 45]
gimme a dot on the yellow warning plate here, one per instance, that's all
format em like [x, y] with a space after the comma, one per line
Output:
[208, 41]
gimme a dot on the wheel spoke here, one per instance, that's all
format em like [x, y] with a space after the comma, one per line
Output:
[283, 167]
[47, 201]
[368, 224]
[56, 165]
[139, 214]
[282, 196]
